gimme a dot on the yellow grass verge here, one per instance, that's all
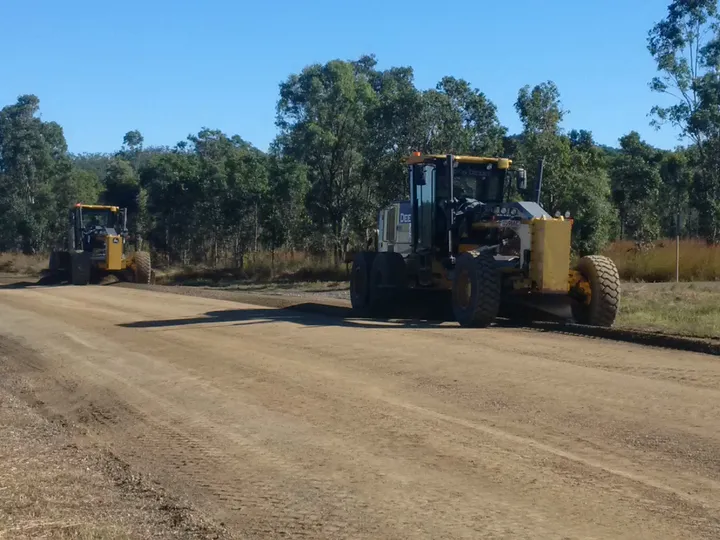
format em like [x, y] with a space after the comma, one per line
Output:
[28, 265]
[656, 262]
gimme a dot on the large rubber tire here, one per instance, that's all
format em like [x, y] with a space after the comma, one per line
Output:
[604, 279]
[57, 269]
[143, 268]
[54, 264]
[360, 283]
[80, 268]
[476, 291]
[388, 280]
[65, 259]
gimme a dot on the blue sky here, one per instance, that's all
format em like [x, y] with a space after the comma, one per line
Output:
[168, 69]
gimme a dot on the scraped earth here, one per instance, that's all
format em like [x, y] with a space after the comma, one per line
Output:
[273, 423]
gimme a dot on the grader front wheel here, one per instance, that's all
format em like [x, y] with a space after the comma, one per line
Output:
[601, 307]
[143, 269]
[476, 290]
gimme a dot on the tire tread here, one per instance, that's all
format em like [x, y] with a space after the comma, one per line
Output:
[143, 267]
[605, 306]
[487, 305]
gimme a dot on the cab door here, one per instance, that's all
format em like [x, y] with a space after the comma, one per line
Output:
[423, 196]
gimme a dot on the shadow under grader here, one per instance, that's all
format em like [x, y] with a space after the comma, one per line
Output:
[315, 315]
[430, 311]
[322, 315]
[49, 281]
[17, 285]
[423, 311]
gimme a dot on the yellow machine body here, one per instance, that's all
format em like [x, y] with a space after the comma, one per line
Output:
[500, 163]
[113, 209]
[550, 258]
[97, 245]
[468, 234]
[114, 253]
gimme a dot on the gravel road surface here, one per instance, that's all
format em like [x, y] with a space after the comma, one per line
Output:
[280, 424]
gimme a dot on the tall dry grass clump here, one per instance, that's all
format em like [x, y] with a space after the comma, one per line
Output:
[262, 266]
[656, 262]
[27, 265]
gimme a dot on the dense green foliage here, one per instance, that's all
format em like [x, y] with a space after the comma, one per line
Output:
[343, 129]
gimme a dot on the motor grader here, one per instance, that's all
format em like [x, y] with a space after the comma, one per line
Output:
[465, 232]
[97, 245]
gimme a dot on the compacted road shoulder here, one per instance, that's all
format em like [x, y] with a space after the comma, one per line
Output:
[280, 424]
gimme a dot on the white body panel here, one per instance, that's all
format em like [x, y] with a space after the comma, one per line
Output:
[394, 228]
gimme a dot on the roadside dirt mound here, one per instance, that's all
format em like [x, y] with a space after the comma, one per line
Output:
[56, 483]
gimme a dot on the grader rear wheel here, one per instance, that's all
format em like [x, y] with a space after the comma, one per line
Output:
[387, 282]
[360, 283]
[143, 269]
[601, 307]
[80, 268]
[58, 269]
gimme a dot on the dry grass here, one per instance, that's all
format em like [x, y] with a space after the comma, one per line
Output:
[50, 490]
[691, 309]
[27, 265]
[259, 268]
[698, 261]
[655, 263]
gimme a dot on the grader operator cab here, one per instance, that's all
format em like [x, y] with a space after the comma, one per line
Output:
[96, 245]
[467, 236]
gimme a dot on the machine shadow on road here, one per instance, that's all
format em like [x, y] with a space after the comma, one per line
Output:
[17, 285]
[433, 314]
[302, 314]
[319, 315]
[49, 283]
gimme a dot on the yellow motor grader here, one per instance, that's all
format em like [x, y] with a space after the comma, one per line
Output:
[462, 232]
[96, 245]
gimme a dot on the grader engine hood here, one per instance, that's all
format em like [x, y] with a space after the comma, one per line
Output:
[516, 211]
[105, 246]
[550, 255]
[543, 242]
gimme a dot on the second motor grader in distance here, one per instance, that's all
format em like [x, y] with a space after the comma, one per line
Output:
[97, 245]
[467, 236]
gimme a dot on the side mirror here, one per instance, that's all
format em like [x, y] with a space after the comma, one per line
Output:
[521, 179]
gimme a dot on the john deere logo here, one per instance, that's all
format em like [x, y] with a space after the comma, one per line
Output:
[116, 240]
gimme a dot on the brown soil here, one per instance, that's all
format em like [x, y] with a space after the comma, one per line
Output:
[283, 424]
[55, 482]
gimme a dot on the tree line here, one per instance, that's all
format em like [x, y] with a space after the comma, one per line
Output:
[343, 129]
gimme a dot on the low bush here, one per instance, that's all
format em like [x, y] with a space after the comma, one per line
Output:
[27, 265]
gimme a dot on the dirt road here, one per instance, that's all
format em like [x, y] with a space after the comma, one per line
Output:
[281, 424]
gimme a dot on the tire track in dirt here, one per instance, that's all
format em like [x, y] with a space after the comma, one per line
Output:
[178, 449]
[168, 444]
[55, 484]
[299, 427]
[336, 307]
